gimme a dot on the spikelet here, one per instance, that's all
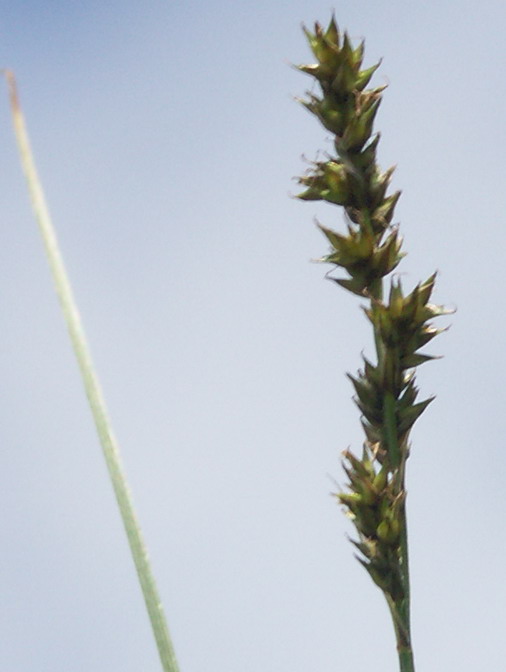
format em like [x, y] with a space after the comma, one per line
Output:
[368, 251]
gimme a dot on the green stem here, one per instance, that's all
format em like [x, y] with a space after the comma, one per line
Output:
[402, 606]
[390, 428]
[400, 610]
[93, 390]
[406, 661]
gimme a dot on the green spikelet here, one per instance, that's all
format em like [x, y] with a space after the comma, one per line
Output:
[367, 252]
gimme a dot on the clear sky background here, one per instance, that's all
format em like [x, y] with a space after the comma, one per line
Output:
[166, 135]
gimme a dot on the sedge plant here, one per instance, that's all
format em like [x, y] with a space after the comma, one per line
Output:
[368, 251]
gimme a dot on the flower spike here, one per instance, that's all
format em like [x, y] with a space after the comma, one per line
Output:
[368, 251]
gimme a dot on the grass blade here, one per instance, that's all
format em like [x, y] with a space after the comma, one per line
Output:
[92, 388]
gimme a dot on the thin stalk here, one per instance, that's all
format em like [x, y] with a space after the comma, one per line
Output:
[406, 661]
[404, 649]
[93, 389]
[391, 429]
[400, 610]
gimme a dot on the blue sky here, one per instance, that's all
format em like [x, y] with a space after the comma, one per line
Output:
[167, 137]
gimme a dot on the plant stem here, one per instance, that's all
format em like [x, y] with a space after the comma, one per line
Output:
[92, 388]
[400, 610]
[391, 430]
[406, 661]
